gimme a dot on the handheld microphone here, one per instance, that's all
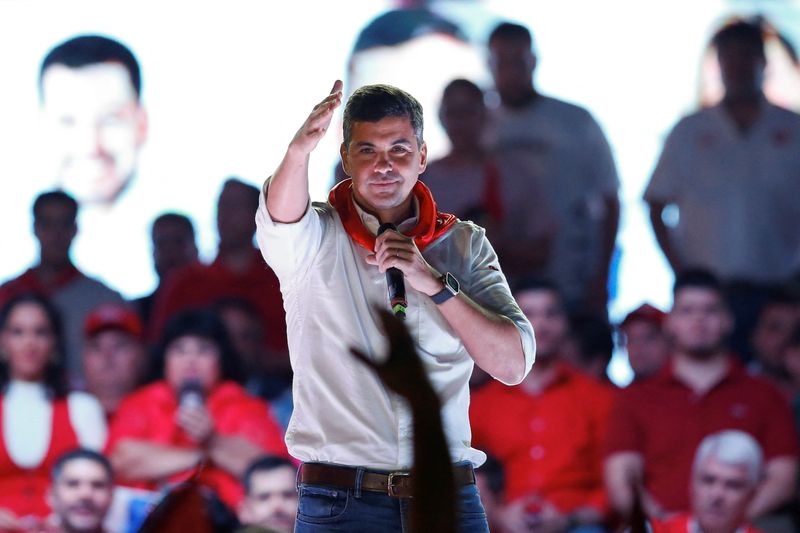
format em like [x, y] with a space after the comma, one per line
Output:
[395, 283]
[191, 394]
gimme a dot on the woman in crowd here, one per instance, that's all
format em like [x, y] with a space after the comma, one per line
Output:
[193, 413]
[39, 418]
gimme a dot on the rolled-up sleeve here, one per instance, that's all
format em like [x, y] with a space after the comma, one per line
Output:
[288, 248]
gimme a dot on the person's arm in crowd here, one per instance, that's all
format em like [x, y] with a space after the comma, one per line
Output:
[623, 475]
[778, 487]
[492, 340]
[288, 196]
[433, 488]
[662, 234]
[141, 460]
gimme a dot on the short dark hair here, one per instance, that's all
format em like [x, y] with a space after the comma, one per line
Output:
[251, 190]
[202, 323]
[697, 278]
[55, 378]
[80, 453]
[509, 31]
[263, 464]
[372, 103]
[53, 197]
[743, 31]
[86, 50]
[461, 83]
[178, 219]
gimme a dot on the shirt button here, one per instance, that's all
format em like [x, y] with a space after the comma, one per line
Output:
[537, 453]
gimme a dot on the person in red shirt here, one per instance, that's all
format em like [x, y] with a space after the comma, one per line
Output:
[727, 469]
[657, 424]
[238, 271]
[547, 431]
[194, 414]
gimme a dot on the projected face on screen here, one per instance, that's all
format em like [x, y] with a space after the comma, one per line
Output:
[97, 127]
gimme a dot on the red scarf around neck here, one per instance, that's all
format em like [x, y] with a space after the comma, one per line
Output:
[430, 226]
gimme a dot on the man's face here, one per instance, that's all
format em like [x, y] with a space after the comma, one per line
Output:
[512, 62]
[81, 496]
[741, 66]
[698, 322]
[98, 127]
[113, 361]
[463, 116]
[236, 221]
[647, 347]
[272, 501]
[247, 335]
[773, 331]
[720, 495]
[54, 227]
[173, 247]
[549, 320]
[384, 160]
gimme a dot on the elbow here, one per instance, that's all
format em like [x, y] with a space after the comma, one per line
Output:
[514, 371]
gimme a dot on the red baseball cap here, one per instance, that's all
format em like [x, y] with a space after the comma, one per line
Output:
[112, 316]
[647, 313]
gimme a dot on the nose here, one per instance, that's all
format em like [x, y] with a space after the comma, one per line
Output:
[383, 163]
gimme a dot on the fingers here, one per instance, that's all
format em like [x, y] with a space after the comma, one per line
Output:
[337, 87]
[361, 356]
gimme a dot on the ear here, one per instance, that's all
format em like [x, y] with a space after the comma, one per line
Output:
[345, 162]
[423, 157]
[142, 125]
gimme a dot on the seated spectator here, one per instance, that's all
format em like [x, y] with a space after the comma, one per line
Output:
[544, 432]
[592, 341]
[174, 247]
[726, 472]
[496, 191]
[46, 419]
[80, 493]
[777, 320]
[238, 271]
[194, 412]
[55, 276]
[657, 424]
[267, 378]
[114, 354]
[642, 335]
[270, 494]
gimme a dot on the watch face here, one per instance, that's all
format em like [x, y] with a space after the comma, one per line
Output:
[451, 283]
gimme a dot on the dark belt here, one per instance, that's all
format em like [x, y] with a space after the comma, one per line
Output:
[397, 484]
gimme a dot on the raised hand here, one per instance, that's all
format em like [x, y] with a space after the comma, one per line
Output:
[317, 123]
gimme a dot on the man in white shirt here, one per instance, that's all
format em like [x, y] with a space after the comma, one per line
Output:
[352, 433]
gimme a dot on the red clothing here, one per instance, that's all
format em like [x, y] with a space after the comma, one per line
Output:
[29, 281]
[149, 414]
[680, 524]
[664, 420]
[199, 285]
[22, 490]
[550, 443]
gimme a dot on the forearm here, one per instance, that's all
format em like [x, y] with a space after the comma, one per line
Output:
[492, 341]
[777, 488]
[287, 189]
[622, 473]
[232, 453]
[139, 460]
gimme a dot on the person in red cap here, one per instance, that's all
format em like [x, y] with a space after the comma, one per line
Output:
[113, 355]
[645, 341]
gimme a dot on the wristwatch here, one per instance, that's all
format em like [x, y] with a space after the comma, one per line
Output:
[451, 288]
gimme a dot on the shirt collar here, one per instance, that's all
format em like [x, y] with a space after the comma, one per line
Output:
[372, 223]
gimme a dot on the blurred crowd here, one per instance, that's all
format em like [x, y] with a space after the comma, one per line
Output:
[106, 404]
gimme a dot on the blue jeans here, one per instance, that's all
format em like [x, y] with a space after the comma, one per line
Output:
[328, 509]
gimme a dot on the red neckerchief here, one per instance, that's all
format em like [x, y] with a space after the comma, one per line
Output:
[430, 226]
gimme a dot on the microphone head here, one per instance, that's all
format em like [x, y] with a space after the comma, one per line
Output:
[191, 393]
[386, 225]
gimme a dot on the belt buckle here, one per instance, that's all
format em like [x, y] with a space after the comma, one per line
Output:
[391, 484]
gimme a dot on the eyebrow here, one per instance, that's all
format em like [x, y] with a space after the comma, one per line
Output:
[401, 140]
